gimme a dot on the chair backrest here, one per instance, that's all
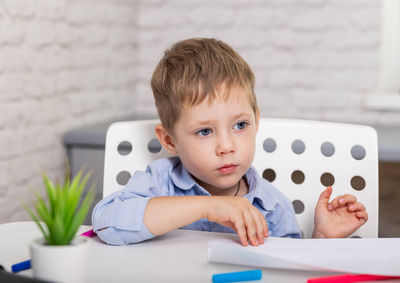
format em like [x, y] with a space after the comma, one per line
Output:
[299, 157]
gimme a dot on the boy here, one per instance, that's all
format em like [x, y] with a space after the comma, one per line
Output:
[204, 93]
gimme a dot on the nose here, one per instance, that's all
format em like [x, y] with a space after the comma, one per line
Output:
[225, 144]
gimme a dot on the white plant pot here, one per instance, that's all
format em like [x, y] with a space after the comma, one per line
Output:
[60, 263]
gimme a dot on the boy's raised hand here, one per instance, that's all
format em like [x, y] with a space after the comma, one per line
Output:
[239, 214]
[338, 218]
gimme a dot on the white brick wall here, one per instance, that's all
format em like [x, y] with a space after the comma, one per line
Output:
[313, 59]
[69, 63]
[63, 64]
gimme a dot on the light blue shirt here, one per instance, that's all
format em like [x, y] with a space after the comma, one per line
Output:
[122, 212]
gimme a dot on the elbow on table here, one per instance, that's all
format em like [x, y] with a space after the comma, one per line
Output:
[117, 237]
[109, 236]
[104, 235]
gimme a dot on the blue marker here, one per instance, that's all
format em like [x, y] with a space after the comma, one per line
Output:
[21, 266]
[250, 275]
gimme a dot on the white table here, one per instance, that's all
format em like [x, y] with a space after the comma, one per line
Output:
[179, 256]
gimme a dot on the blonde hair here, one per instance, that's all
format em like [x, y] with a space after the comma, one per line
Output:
[193, 70]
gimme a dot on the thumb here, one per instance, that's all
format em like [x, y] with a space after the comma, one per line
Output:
[324, 196]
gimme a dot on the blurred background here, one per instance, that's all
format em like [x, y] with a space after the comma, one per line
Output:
[69, 64]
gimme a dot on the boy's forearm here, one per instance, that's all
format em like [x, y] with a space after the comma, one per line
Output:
[164, 214]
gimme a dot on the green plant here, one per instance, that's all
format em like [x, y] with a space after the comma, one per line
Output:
[65, 210]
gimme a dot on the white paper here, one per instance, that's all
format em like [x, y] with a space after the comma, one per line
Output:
[378, 256]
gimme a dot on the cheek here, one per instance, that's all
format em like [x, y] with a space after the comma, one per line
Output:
[194, 148]
[196, 164]
[194, 154]
[248, 148]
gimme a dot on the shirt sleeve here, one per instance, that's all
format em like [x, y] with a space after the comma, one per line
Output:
[118, 218]
[282, 220]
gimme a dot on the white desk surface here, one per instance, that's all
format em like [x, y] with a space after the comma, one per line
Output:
[179, 256]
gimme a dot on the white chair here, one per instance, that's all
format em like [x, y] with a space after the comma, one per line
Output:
[299, 157]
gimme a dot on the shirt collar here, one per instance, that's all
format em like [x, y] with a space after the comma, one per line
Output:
[251, 177]
[182, 178]
[259, 190]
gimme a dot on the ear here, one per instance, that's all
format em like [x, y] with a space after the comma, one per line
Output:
[165, 139]
[257, 119]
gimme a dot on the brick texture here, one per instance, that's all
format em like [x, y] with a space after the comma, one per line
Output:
[63, 64]
[312, 59]
[66, 64]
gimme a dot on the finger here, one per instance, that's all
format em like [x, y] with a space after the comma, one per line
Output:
[260, 226]
[250, 227]
[354, 207]
[266, 230]
[324, 196]
[241, 230]
[362, 215]
[341, 201]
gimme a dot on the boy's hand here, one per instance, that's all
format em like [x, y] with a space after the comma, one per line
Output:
[239, 214]
[339, 218]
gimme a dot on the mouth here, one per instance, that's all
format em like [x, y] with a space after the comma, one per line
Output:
[227, 169]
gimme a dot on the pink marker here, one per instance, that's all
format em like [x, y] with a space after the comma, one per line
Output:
[89, 234]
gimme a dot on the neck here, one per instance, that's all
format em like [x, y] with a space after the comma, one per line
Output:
[239, 189]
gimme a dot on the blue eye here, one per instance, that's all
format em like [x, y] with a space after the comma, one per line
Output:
[240, 125]
[204, 132]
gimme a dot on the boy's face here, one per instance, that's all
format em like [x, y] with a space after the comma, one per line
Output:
[216, 141]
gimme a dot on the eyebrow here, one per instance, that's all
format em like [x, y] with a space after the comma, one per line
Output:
[200, 123]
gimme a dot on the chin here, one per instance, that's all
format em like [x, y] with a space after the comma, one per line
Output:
[227, 185]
